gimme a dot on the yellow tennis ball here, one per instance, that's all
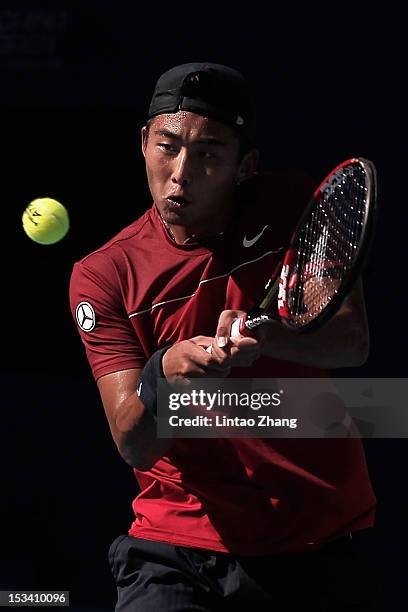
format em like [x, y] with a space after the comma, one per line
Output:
[45, 221]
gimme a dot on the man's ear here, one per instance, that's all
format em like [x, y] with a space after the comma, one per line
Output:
[144, 137]
[248, 165]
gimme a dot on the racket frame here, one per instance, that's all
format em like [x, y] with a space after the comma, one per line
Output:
[278, 281]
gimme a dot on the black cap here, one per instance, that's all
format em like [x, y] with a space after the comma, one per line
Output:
[208, 89]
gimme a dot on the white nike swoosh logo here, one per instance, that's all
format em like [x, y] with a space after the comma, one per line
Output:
[249, 243]
[138, 390]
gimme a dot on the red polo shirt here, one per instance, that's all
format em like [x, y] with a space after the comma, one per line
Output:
[141, 291]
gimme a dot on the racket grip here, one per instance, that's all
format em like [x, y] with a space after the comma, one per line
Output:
[238, 328]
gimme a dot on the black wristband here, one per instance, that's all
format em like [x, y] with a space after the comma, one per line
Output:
[147, 384]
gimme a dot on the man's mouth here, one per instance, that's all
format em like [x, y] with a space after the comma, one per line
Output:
[177, 201]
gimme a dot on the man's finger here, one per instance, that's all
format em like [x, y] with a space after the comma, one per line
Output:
[202, 340]
[244, 342]
[227, 317]
[221, 354]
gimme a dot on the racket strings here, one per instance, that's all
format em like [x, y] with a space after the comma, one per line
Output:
[328, 244]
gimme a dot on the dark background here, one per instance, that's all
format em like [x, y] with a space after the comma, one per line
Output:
[75, 82]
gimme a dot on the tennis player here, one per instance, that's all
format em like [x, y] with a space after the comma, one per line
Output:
[219, 523]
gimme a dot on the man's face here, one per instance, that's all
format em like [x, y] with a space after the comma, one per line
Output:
[192, 165]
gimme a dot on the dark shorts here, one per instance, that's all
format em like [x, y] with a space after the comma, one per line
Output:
[159, 577]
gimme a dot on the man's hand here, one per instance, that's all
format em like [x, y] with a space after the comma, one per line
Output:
[241, 350]
[189, 359]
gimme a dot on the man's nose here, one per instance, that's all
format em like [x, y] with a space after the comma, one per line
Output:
[183, 168]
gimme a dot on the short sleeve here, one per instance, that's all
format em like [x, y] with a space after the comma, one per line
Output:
[110, 341]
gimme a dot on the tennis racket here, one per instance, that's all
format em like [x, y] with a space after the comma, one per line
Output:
[326, 253]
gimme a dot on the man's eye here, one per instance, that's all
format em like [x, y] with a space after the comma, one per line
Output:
[167, 147]
[207, 155]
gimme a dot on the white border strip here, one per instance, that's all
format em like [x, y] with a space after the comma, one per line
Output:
[206, 280]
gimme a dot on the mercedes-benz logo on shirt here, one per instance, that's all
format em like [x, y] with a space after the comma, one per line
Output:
[85, 316]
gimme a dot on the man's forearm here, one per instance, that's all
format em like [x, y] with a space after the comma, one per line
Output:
[139, 445]
[340, 343]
